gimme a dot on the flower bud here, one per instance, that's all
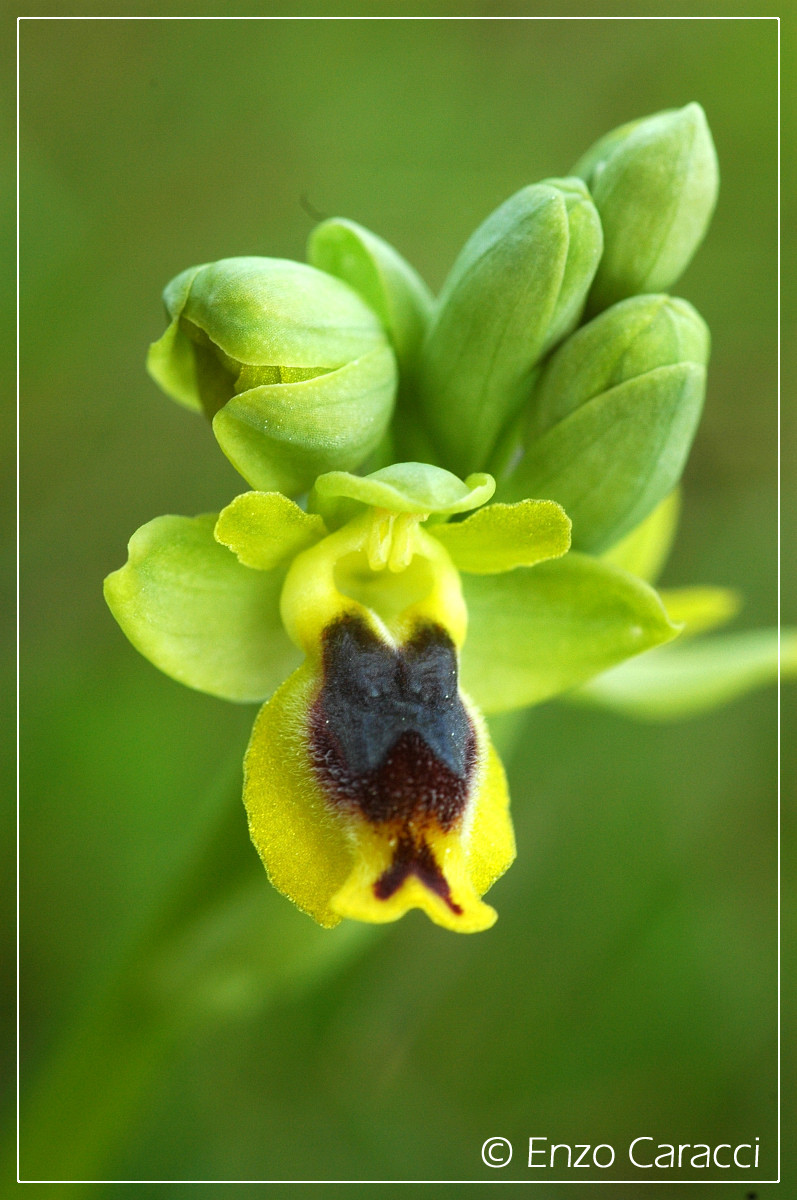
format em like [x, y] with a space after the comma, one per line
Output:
[613, 417]
[517, 289]
[654, 183]
[628, 340]
[292, 367]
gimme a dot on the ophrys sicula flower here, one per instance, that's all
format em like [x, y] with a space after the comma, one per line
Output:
[371, 782]
[381, 617]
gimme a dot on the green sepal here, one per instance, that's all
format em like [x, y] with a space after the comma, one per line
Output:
[379, 274]
[402, 488]
[695, 677]
[654, 183]
[274, 312]
[189, 606]
[170, 360]
[539, 631]
[645, 549]
[281, 436]
[612, 461]
[501, 537]
[267, 530]
[517, 288]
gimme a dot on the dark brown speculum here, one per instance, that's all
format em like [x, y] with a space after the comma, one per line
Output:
[391, 741]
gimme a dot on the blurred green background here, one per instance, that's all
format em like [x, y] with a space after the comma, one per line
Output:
[629, 987]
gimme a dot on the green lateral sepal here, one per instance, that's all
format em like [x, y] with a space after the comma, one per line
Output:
[190, 607]
[536, 632]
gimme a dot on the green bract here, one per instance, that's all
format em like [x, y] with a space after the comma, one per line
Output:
[644, 550]
[379, 618]
[690, 679]
[292, 367]
[654, 183]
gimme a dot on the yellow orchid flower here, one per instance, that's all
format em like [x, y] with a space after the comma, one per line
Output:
[371, 783]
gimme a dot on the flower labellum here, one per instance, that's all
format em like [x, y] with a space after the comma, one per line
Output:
[394, 786]
[370, 781]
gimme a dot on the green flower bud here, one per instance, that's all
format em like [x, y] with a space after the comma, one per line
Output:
[628, 340]
[613, 417]
[517, 289]
[292, 367]
[655, 184]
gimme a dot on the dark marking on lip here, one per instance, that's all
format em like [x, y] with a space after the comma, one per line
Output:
[390, 739]
[414, 858]
[389, 734]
